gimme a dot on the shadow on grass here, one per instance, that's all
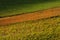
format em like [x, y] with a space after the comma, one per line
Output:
[6, 4]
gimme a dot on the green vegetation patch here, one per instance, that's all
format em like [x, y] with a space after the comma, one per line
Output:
[44, 29]
[8, 8]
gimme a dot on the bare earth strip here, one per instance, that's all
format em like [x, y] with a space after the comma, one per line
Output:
[31, 16]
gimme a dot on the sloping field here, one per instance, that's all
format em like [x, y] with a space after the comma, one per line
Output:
[31, 16]
[9, 7]
[37, 25]
[42, 29]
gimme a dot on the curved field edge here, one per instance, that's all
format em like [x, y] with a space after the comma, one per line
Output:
[42, 29]
[29, 8]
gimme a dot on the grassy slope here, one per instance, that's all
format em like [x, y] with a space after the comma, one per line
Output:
[44, 29]
[19, 9]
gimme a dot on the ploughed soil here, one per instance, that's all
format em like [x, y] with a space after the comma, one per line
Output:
[31, 16]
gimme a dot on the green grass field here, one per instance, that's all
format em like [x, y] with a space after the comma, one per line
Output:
[13, 9]
[42, 29]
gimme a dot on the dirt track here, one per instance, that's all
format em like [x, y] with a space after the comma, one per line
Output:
[31, 16]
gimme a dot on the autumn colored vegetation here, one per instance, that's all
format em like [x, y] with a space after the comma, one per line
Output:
[42, 29]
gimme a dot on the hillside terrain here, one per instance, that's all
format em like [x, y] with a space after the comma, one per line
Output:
[31, 16]
[14, 7]
[43, 29]
[29, 19]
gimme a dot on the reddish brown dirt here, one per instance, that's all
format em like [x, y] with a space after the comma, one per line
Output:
[31, 16]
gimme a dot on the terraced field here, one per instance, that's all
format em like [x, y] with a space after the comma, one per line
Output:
[31, 16]
[29, 20]
[46, 27]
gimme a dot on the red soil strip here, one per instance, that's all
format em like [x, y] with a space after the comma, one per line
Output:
[31, 16]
